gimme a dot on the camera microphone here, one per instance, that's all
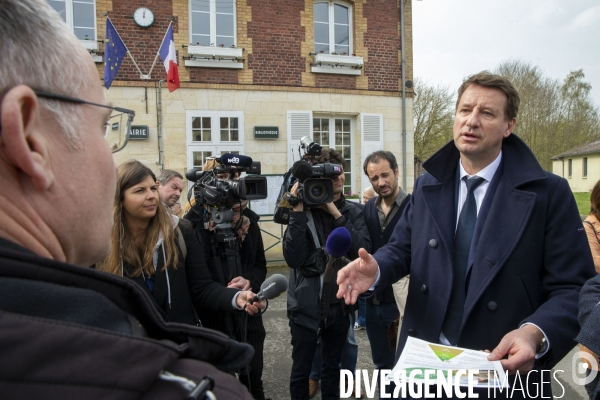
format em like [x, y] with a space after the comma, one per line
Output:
[338, 244]
[235, 160]
[301, 170]
[271, 288]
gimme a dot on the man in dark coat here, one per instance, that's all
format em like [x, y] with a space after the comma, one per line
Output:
[382, 214]
[68, 331]
[504, 275]
[313, 309]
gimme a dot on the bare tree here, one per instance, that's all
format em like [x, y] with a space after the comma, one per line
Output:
[553, 116]
[433, 111]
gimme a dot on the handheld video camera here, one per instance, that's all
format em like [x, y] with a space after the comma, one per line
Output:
[211, 191]
[315, 181]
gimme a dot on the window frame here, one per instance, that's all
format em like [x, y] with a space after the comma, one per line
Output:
[350, 181]
[584, 167]
[569, 167]
[213, 25]
[215, 145]
[91, 44]
[331, 23]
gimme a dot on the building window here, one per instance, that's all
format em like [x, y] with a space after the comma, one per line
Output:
[584, 167]
[569, 167]
[336, 133]
[212, 23]
[333, 28]
[212, 133]
[80, 16]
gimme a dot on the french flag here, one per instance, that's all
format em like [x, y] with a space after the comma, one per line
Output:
[169, 58]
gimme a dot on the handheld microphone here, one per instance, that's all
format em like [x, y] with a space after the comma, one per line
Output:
[235, 160]
[271, 288]
[338, 244]
[301, 170]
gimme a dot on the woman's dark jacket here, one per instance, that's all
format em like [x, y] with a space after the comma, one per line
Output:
[303, 296]
[252, 260]
[191, 284]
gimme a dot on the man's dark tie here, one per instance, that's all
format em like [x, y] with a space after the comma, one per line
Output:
[462, 246]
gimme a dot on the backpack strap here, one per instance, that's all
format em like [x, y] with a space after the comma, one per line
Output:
[181, 242]
[594, 229]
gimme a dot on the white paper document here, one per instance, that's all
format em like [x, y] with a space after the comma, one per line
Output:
[420, 356]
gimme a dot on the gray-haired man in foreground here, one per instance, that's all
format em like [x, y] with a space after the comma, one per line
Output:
[69, 331]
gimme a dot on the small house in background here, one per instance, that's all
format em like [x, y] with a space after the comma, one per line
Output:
[580, 166]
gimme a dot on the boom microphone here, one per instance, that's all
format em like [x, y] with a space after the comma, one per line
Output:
[271, 288]
[235, 160]
[338, 244]
[301, 170]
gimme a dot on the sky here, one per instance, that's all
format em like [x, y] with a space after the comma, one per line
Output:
[453, 39]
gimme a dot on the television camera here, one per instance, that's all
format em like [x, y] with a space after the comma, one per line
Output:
[315, 181]
[218, 196]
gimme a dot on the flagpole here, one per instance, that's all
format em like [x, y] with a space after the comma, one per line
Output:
[159, 47]
[132, 59]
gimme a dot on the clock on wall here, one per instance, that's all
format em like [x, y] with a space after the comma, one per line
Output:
[143, 17]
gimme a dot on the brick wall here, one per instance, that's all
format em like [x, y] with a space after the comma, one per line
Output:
[382, 41]
[143, 43]
[276, 35]
[335, 81]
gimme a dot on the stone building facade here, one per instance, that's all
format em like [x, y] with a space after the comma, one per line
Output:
[326, 69]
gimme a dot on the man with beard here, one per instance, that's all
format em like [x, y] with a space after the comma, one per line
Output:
[382, 213]
[170, 186]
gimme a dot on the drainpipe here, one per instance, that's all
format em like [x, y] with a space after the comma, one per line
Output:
[161, 161]
[403, 96]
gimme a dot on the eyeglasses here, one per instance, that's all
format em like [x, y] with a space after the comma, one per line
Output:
[118, 128]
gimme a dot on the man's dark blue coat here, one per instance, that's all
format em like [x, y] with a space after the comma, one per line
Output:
[530, 261]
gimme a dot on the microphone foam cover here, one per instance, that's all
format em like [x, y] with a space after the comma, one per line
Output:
[338, 242]
[236, 160]
[302, 170]
[274, 286]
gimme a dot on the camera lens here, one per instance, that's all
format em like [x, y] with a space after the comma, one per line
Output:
[316, 191]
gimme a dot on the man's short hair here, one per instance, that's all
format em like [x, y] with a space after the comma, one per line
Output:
[164, 176]
[376, 156]
[27, 29]
[330, 155]
[487, 79]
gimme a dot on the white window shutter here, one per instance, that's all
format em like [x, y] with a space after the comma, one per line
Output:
[299, 124]
[371, 135]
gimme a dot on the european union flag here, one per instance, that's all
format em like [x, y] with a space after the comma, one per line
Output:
[114, 52]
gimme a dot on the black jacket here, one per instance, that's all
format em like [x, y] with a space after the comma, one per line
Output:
[102, 337]
[252, 260]
[380, 239]
[303, 296]
[190, 284]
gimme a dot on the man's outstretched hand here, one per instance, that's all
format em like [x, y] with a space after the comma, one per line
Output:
[357, 277]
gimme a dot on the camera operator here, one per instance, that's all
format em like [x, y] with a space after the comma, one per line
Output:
[313, 309]
[253, 272]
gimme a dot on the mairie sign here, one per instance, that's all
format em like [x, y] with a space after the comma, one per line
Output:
[138, 132]
[266, 132]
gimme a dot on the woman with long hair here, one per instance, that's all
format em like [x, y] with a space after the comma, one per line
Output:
[592, 229]
[161, 253]
[592, 225]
